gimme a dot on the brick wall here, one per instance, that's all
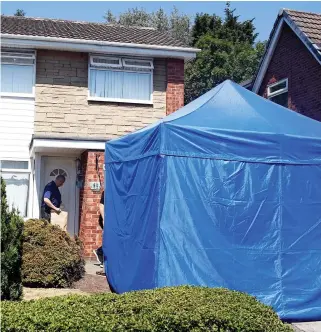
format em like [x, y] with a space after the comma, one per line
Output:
[89, 231]
[62, 108]
[292, 60]
[175, 85]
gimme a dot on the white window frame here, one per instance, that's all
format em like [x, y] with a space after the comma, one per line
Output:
[277, 92]
[122, 68]
[105, 65]
[20, 171]
[151, 66]
[33, 56]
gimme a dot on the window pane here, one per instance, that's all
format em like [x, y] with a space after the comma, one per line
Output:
[138, 63]
[277, 87]
[13, 164]
[137, 86]
[23, 61]
[281, 99]
[17, 186]
[16, 78]
[106, 61]
[97, 83]
[106, 83]
[113, 84]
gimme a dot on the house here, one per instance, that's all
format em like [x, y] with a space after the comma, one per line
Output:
[247, 84]
[290, 70]
[66, 88]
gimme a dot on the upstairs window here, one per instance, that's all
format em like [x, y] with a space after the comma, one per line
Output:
[17, 73]
[127, 80]
[278, 92]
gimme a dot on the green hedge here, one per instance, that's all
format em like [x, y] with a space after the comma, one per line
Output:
[168, 309]
[11, 249]
[51, 257]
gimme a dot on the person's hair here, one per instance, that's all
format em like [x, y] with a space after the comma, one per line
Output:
[61, 178]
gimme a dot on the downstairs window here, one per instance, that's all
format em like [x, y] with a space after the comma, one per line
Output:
[16, 176]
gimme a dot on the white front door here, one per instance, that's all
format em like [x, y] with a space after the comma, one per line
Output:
[54, 166]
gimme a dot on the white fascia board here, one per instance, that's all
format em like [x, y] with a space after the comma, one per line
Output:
[79, 45]
[267, 58]
[41, 144]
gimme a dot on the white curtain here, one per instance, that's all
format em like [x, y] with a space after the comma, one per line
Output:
[120, 84]
[17, 185]
[137, 86]
[16, 78]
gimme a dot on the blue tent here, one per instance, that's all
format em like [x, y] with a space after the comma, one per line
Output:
[225, 192]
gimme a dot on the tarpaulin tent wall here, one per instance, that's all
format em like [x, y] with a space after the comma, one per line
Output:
[226, 192]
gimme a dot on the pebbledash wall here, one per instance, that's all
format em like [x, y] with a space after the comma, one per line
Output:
[62, 110]
[292, 60]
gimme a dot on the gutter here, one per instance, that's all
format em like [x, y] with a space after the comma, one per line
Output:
[81, 45]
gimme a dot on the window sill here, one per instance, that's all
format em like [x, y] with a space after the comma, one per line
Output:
[17, 95]
[123, 101]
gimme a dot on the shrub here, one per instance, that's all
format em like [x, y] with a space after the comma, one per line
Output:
[11, 249]
[51, 258]
[168, 309]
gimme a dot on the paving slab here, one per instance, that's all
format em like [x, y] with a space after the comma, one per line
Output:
[91, 267]
[307, 327]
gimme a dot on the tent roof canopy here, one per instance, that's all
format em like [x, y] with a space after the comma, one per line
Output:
[230, 123]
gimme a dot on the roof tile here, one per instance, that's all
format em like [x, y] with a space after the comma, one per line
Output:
[309, 24]
[85, 30]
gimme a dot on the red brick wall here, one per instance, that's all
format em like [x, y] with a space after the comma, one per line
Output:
[175, 85]
[89, 231]
[292, 60]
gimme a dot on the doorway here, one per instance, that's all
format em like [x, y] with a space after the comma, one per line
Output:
[54, 166]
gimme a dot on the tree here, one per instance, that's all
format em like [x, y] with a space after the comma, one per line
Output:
[11, 250]
[228, 52]
[20, 12]
[228, 45]
[204, 24]
[176, 24]
[135, 17]
[160, 21]
[109, 17]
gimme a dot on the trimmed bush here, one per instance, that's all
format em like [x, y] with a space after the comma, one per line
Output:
[168, 309]
[51, 257]
[11, 249]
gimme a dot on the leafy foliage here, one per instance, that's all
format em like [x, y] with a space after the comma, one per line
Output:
[228, 52]
[177, 24]
[20, 12]
[168, 309]
[11, 249]
[51, 258]
[220, 60]
[228, 45]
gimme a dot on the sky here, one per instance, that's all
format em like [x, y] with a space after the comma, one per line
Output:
[264, 12]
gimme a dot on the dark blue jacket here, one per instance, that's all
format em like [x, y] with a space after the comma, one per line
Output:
[52, 192]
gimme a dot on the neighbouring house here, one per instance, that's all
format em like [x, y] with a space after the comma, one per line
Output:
[290, 70]
[247, 84]
[68, 87]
